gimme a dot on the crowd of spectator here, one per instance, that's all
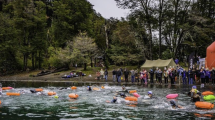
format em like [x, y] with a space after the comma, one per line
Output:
[167, 75]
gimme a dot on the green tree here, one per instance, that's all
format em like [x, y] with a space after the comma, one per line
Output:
[124, 48]
[69, 16]
[30, 21]
[8, 45]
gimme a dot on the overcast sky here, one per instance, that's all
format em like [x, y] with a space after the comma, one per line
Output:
[108, 8]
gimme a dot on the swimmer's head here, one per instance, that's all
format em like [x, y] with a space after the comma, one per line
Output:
[123, 87]
[173, 104]
[114, 97]
[149, 92]
[194, 87]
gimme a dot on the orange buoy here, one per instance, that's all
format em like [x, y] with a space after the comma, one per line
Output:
[51, 93]
[132, 91]
[103, 87]
[6, 88]
[73, 88]
[13, 94]
[0, 101]
[207, 93]
[131, 98]
[204, 105]
[97, 89]
[73, 95]
[39, 89]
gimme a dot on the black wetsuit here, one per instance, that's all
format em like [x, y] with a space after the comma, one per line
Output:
[126, 91]
[122, 95]
[33, 91]
[114, 101]
[194, 99]
[62, 88]
[89, 89]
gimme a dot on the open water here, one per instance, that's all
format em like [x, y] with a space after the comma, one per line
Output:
[93, 106]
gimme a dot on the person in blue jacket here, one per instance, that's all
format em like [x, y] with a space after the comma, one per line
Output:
[180, 71]
[184, 75]
[176, 61]
[207, 76]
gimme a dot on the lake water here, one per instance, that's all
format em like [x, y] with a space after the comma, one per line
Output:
[93, 106]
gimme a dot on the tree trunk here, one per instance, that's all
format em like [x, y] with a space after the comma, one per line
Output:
[150, 38]
[95, 62]
[175, 26]
[39, 60]
[85, 66]
[160, 24]
[106, 35]
[32, 60]
[91, 61]
[24, 67]
[145, 6]
[35, 60]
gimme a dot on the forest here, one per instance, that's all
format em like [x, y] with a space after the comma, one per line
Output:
[39, 34]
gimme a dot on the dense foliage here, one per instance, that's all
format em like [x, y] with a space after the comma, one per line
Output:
[60, 33]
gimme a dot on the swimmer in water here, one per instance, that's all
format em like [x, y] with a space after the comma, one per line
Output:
[121, 94]
[63, 88]
[149, 96]
[194, 94]
[21, 91]
[124, 89]
[174, 105]
[113, 101]
[89, 88]
[33, 91]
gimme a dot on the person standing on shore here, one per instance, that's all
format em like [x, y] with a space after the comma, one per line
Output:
[106, 74]
[202, 76]
[142, 76]
[176, 61]
[207, 76]
[101, 73]
[151, 72]
[165, 77]
[114, 75]
[160, 76]
[136, 76]
[191, 77]
[126, 73]
[172, 76]
[132, 75]
[184, 75]
[156, 74]
[145, 77]
[98, 75]
[119, 73]
[180, 70]
[213, 76]
[197, 74]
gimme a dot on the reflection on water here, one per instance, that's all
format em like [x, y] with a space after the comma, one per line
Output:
[92, 105]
